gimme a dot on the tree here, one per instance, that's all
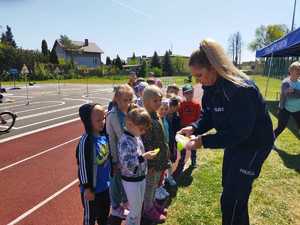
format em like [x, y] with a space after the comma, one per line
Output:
[133, 60]
[67, 43]
[144, 69]
[167, 66]
[108, 61]
[8, 38]
[179, 64]
[53, 57]
[265, 35]
[118, 62]
[45, 49]
[155, 61]
[235, 47]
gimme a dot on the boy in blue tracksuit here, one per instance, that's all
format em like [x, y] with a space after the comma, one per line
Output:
[244, 130]
[93, 165]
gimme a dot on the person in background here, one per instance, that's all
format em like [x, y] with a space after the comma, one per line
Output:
[133, 161]
[174, 125]
[113, 103]
[132, 79]
[160, 192]
[234, 107]
[172, 89]
[139, 80]
[139, 91]
[189, 112]
[151, 81]
[154, 139]
[94, 165]
[289, 104]
[115, 124]
[158, 83]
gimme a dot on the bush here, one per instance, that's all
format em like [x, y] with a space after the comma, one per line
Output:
[157, 71]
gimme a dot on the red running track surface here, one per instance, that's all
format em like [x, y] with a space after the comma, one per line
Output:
[25, 185]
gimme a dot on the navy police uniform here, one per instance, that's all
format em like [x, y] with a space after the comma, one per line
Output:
[244, 130]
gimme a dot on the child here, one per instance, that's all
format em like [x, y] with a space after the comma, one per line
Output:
[133, 160]
[115, 126]
[153, 139]
[93, 165]
[172, 89]
[139, 91]
[189, 112]
[161, 193]
[174, 125]
[132, 79]
[289, 105]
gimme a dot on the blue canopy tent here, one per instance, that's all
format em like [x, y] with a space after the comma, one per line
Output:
[287, 46]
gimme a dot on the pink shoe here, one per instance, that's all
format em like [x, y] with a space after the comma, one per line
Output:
[155, 216]
[161, 209]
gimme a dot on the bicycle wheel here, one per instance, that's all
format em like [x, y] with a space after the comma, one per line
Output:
[7, 121]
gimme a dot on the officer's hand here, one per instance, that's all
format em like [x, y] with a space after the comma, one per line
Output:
[194, 143]
[186, 131]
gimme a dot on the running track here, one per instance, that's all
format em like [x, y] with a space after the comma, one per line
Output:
[38, 178]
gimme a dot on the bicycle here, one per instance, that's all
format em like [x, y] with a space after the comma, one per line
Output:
[7, 121]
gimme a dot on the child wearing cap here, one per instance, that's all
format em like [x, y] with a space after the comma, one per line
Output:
[189, 112]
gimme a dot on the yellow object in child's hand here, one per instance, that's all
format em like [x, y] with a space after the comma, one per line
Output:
[181, 141]
[156, 151]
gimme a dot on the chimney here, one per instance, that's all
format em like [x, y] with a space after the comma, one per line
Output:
[86, 42]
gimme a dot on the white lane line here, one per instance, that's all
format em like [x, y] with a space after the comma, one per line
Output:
[48, 112]
[24, 104]
[42, 203]
[37, 130]
[44, 121]
[43, 107]
[38, 154]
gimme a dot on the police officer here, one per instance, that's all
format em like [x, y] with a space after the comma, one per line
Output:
[234, 107]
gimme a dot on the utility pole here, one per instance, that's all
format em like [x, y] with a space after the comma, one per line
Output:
[293, 21]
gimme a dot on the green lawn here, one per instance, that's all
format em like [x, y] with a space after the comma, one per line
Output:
[100, 80]
[276, 194]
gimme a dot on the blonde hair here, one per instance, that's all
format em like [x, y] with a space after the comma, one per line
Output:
[294, 66]
[151, 92]
[212, 54]
[123, 89]
[140, 117]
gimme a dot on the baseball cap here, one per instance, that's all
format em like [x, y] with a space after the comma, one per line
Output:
[187, 88]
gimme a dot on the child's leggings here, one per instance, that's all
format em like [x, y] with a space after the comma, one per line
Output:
[135, 192]
[117, 193]
[151, 184]
[97, 210]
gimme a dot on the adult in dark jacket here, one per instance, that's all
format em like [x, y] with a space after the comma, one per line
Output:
[234, 107]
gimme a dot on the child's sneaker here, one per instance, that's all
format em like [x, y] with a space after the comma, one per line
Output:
[119, 212]
[171, 181]
[160, 208]
[154, 215]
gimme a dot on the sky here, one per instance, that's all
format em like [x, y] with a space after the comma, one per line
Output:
[142, 26]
